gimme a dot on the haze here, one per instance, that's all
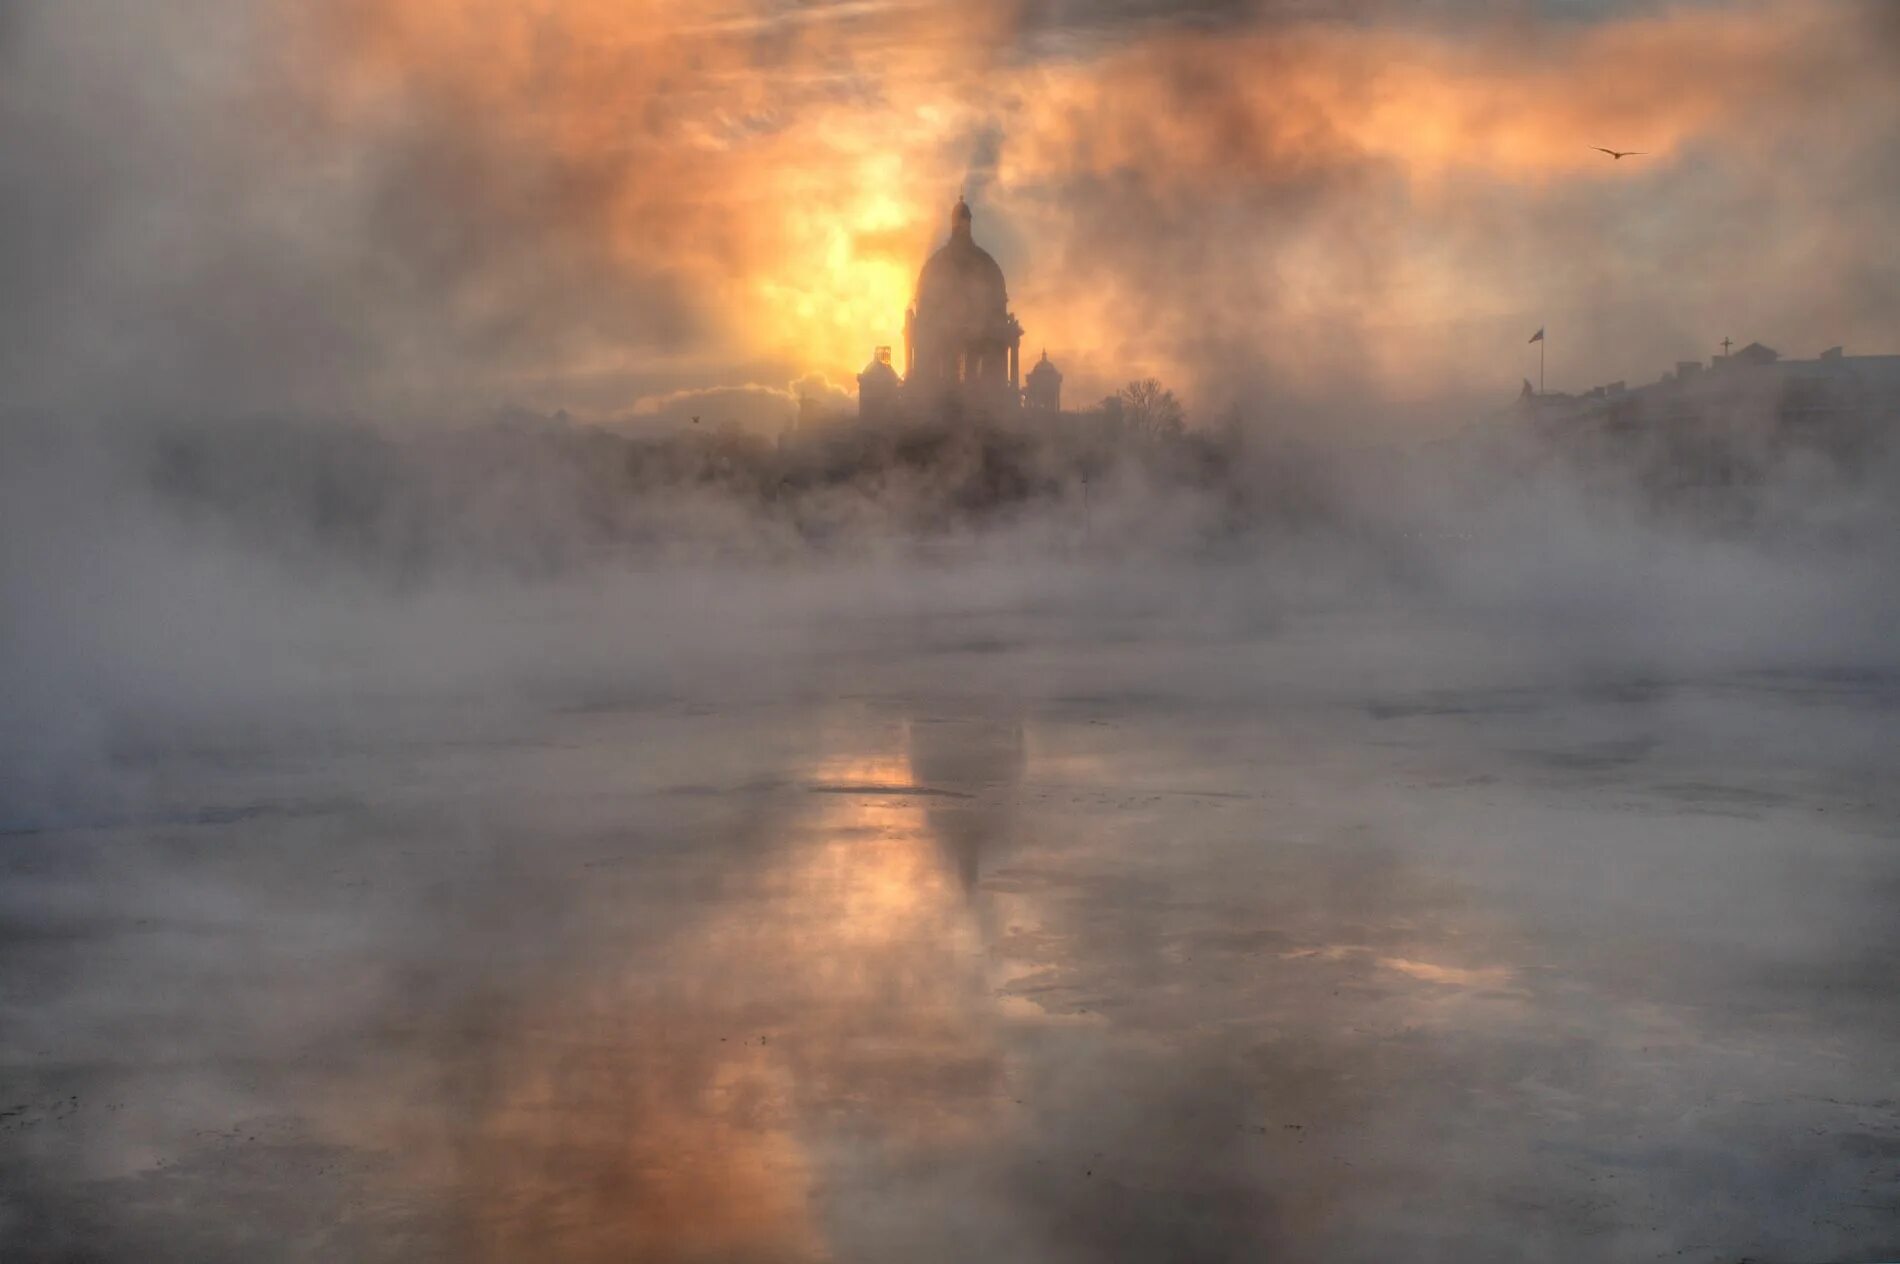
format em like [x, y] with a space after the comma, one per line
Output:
[498, 763]
[396, 206]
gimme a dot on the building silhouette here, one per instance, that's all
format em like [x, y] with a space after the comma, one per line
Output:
[962, 346]
[1042, 389]
[1730, 421]
[880, 390]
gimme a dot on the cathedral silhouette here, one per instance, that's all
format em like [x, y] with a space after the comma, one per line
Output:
[962, 347]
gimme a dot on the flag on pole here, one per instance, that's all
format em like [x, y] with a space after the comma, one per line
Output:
[1539, 335]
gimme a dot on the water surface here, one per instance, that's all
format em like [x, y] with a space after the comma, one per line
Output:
[1337, 940]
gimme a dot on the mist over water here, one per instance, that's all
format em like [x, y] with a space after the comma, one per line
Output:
[478, 784]
[413, 852]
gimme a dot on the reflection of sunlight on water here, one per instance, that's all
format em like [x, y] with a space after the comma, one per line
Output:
[664, 1101]
[1488, 977]
[871, 875]
[1020, 963]
[1491, 981]
[615, 1156]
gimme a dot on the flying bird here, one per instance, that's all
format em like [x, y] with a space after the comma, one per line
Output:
[1620, 153]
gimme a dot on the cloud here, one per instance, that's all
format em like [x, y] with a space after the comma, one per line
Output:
[1385, 205]
[413, 206]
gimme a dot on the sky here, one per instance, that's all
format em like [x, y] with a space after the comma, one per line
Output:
[422, 210]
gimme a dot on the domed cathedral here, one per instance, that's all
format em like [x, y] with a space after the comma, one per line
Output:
[961, 345]
[960, 342]
[962, 348]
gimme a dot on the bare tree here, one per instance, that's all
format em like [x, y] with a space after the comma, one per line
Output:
[1149, 410]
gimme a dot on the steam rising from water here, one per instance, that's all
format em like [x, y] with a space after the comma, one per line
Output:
[431, 838]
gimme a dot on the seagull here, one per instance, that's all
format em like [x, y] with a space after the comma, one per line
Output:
[695, 420]
[1620, 153]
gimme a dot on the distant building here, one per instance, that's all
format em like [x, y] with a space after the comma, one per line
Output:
[1727, 422]
[879, 388]
[962, 346]
[1754, 354]
[1042, 389]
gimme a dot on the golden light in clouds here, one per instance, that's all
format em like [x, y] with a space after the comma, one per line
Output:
[785, 168]
[845, 275]
[778, 173]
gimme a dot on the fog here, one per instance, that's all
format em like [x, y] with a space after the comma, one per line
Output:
[497, 764]
[1314, 854]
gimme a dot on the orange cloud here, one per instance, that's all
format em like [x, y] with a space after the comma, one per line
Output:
[592, 189]
[1520, 104]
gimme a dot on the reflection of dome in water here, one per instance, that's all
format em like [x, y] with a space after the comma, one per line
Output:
[981, 759]
[962, 754]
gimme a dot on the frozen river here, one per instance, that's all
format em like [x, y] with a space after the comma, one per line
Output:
[977, 936]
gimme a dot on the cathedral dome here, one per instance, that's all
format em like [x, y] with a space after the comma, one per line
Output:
[961, 286]
[960, 342]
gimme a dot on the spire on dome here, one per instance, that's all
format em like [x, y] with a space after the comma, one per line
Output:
[960, 218]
